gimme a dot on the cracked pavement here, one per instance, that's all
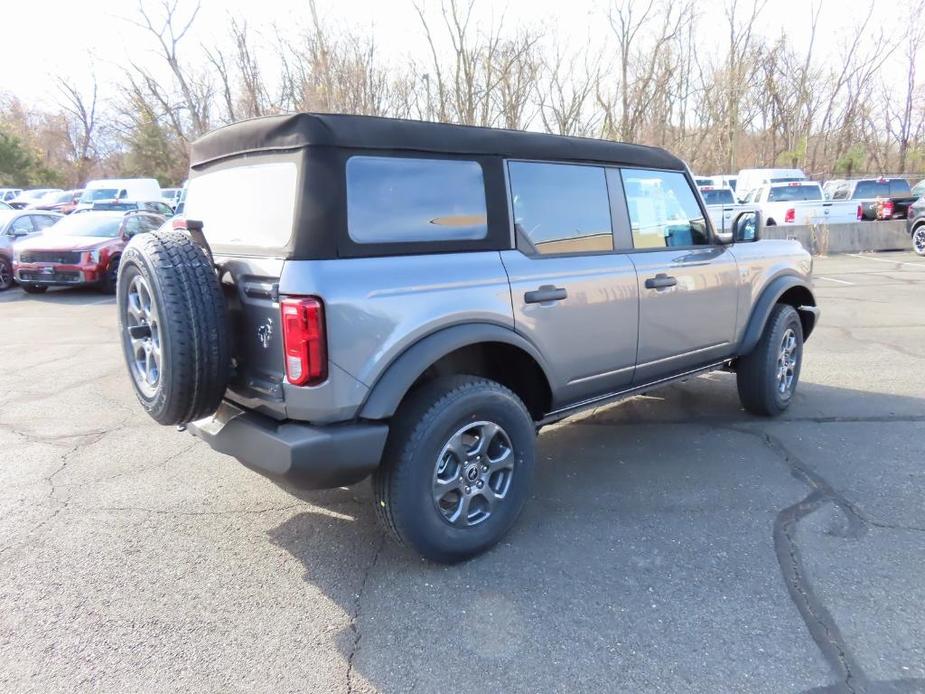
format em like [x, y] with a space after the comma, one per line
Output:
[672, 543]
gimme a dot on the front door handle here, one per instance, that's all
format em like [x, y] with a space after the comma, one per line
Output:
[545, 293]
[661, 281]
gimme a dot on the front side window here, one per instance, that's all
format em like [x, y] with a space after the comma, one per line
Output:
[407, 200]
[560, 208]
[663, 210]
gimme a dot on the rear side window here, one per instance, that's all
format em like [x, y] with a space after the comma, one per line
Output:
[560, 208]
[663, 210]
[406, 200]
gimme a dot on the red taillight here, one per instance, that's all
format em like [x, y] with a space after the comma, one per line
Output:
[860, 212]
[791, 216]
[178, 224]
[887, 209]
[304, 341]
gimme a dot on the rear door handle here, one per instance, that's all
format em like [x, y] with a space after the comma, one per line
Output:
[545, 293]
[661, 281]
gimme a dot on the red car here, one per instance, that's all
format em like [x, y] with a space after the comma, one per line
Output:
[80, 249]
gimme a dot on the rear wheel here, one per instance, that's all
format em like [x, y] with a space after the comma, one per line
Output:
[767, 378]
[6, 274]
[173, 326]
[457, 468]
[918, 240]
[34, 288]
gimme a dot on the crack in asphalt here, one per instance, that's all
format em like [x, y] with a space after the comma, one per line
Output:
[819, 621]
[355, 615]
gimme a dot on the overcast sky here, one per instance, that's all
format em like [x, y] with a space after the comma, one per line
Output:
[44, 37]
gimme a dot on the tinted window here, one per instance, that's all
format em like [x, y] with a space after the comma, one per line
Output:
[139, 223]
[794, 193]
[871, 189]
[663, 210]
[398, 200]
[899, 186]
[718, 197]
[560, 208]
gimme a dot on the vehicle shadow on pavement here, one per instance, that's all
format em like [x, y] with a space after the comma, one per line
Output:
[660, 546]
[60, 295]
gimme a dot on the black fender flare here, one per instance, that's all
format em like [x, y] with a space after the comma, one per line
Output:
[390, 388]
[765, 304]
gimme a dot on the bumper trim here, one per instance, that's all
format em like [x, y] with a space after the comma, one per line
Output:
[306, 456]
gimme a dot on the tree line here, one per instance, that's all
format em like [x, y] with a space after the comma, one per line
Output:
[750, 100]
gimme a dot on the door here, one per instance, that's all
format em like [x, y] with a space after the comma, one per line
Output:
[574, 296]
[688, 285]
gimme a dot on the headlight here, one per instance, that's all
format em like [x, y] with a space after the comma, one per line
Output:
[93, 256]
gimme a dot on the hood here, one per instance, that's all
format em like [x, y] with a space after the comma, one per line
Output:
[57, 242]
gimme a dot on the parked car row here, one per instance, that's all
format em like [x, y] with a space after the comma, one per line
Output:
[41, 249]
[787, 196]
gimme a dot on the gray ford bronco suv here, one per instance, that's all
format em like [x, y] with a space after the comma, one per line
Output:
[352, 296]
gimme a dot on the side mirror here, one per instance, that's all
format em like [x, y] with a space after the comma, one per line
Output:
[745, 227]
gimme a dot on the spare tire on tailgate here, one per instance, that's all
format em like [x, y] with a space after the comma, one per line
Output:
[173, 326]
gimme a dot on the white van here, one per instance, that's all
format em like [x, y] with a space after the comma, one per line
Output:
[123, 189]
[750, 179]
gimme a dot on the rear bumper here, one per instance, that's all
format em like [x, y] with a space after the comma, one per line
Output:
[306, 456]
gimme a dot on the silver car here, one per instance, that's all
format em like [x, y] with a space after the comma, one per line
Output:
[350, 296]
[16, 225]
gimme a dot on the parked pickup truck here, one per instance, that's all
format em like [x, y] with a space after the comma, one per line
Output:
[876, 198]
[722, 206]
[799, 202]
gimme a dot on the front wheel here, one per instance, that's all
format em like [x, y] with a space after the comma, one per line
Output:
[767, 378]
[6, 274]
[918, 240]
[457, 468]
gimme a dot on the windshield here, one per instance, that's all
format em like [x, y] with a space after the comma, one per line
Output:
[99, 194]
[56, 197]
[792, 193]
[88, 225]
[723, 196]
[785, 180]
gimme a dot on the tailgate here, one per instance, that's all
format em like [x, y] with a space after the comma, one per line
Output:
[250, 286]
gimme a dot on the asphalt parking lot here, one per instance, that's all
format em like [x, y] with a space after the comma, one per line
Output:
[673, 543]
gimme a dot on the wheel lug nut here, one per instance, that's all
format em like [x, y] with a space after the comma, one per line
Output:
[468, 490]
[484, 468]
[481, 484]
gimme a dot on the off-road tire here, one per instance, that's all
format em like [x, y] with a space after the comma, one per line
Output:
[195, 343]
[6, 274]
[34, 288]
[402, 485]
[757, 373]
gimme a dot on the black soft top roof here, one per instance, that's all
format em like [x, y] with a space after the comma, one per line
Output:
[298, 130]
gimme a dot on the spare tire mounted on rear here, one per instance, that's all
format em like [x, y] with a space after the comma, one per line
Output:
[173, 327]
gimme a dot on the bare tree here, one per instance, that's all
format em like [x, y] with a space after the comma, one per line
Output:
[81, 116]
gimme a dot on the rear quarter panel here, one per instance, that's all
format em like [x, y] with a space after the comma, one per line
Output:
[376, 308]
